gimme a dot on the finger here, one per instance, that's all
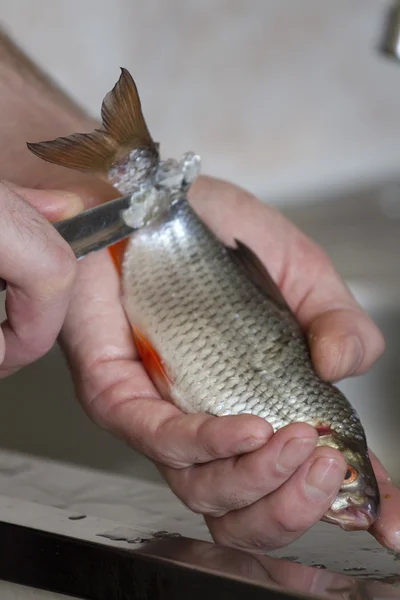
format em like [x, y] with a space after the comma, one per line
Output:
[343, 343]
[343, 339]
[227, 485]
[285, 515]
[55, 205]
[39, 268]
[386, 528]
[381, 473]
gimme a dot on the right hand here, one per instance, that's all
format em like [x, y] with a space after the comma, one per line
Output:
[255, 491]
[39, 268]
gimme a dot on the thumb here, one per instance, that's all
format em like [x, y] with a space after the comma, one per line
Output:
[55, 205]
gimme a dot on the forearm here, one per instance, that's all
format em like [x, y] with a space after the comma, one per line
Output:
[32, 108]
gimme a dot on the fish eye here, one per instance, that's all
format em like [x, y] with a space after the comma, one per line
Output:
[351, 475]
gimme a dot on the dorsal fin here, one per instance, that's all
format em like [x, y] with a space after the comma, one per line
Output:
[124, 129]
[257, 272]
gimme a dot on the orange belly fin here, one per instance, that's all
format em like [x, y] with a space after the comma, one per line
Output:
[153, 364]
[117, 252]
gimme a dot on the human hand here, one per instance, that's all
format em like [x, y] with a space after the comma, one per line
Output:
[232, 470]
[39, 268]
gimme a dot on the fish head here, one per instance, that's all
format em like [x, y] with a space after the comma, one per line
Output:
[357, 504]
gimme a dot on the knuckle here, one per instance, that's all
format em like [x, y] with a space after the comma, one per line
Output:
[34, 345]
[160, 448]
[193, 494]
[39, 348]
[190, 497]
[202, 506]
[156, 450]
[254, 542]
[199, 501]
[104, 408]
[233, 501]
[28, 353]
[278, 473]
[208, 440]
[260, 541]
[290, 523]
[169, 457]
[209, 501]
[193, 504]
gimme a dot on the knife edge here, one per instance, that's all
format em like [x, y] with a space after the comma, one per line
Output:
[97, 227]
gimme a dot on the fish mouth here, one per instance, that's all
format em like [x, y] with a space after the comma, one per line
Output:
[352, 518]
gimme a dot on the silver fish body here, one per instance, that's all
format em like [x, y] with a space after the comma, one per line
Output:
[229, 347]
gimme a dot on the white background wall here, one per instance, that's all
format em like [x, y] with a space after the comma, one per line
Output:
[280, 96]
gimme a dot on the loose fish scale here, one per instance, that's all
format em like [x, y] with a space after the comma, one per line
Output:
[227, 347]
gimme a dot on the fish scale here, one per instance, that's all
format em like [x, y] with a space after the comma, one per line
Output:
[202, 336]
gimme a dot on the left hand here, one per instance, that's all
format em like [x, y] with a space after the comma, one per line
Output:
[198, 454]
[39, 269]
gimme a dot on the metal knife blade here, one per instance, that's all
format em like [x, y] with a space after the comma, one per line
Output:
[97, 227]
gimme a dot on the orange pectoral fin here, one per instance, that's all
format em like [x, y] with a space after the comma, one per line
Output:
[153, 364]
[324, 430]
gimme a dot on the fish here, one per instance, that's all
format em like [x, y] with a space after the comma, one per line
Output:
[211, 326]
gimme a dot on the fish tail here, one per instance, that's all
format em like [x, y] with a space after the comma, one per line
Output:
[123, 129]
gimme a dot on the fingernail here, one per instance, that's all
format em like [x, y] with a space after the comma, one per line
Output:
[321, 479]
[74, 203]
[294, 452]
[351, 355]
